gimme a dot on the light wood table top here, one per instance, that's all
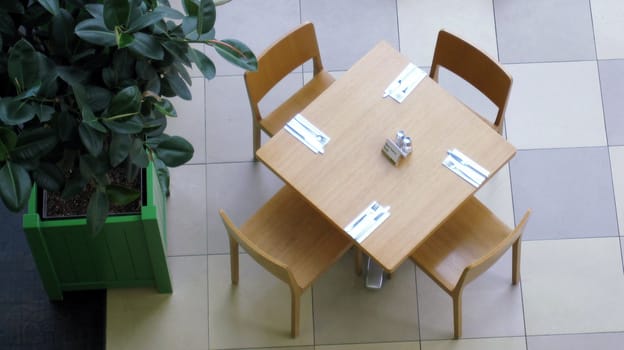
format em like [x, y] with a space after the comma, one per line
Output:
[420, 191]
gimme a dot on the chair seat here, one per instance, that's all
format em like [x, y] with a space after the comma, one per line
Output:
[465, 237]
[303, 230]
[276, 120]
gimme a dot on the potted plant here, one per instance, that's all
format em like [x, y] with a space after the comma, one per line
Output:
[85, 93]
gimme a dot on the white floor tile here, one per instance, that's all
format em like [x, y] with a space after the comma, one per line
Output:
[515, 343]
[143, 319]
[256, 312]
[573, 286]
[420, 21]
[555, 105]
[608, 20]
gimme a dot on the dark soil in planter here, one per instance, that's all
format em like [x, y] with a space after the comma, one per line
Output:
[53, 206]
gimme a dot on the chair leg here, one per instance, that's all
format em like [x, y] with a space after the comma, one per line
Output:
[358, 261]
[256, 139]
[515, 272]
[234, 260]
[457, 315]
[295, 304]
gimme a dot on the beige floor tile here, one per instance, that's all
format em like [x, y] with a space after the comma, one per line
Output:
[573, 286]
[496, 195]
[186, 211]
[256, 313]
[143, 319]
[555, 105]
[240, 189]
[492, 306]
[515, 343]
[608, 23]
[346, 312]
[372, 346]
[191, 120]
[617, 170]
[420, 22]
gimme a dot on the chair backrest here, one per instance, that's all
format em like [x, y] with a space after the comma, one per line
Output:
[281, 58]
[487, 260]
[274, 266]
[474, 66]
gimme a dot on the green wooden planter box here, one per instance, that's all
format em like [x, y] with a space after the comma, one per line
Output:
[131, 250]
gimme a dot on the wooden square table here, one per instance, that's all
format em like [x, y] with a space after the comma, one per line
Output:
[353, 172]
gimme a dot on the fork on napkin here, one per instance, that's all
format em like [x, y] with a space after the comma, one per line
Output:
[405, 82]
[307, 133]
[466, 168]
[367, 221]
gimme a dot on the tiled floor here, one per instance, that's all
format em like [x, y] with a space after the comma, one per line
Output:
[565, 116]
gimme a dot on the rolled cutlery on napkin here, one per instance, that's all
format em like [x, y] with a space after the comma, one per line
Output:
[405, 82]
[307, 133]
[465, 167]
[367, 221]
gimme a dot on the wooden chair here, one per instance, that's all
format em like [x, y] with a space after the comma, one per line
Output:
[477, 68]
[464, 247]
[281, 58]
[291, 240]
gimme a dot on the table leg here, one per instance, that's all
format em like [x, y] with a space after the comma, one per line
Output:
[374, 274]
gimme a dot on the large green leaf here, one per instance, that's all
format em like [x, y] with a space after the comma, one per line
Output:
[123, 39]
[177, 50]
[63, 33]
[137, 154]
[174, 151]
[92, 140]
[169, 12]
[51, 5]
[126, 125]
[191, 7]
[95, 10]
[203, 63]
[147, 45]
[23, 66]
[44, 112]
[98, 98]
[121, 195]
[119, 148]
[165, 107]
[116, 13]
[34, 143]
[237, 53]
[8, 140]
[15, 112]
[178, 86]
[49, 176]
[15, 186]
[97, 211]
[206, 16]
[72, 75]
[145, 21]
[95, 32]
[125, 102]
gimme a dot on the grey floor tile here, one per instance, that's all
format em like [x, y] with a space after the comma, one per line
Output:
[617, 168]
[612, 85]
[492, 306]
[229, 125]
[240, 189]
[373, 346]
[256, 23]
[186, 211]
[602, 341]
[345, 311]
[569, 190]
[543, 31]
[191, 120]
[347, 29]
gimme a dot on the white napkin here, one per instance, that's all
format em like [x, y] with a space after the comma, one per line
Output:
[465, 167]
[367, 221]
[307, 133]
[405, 82]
